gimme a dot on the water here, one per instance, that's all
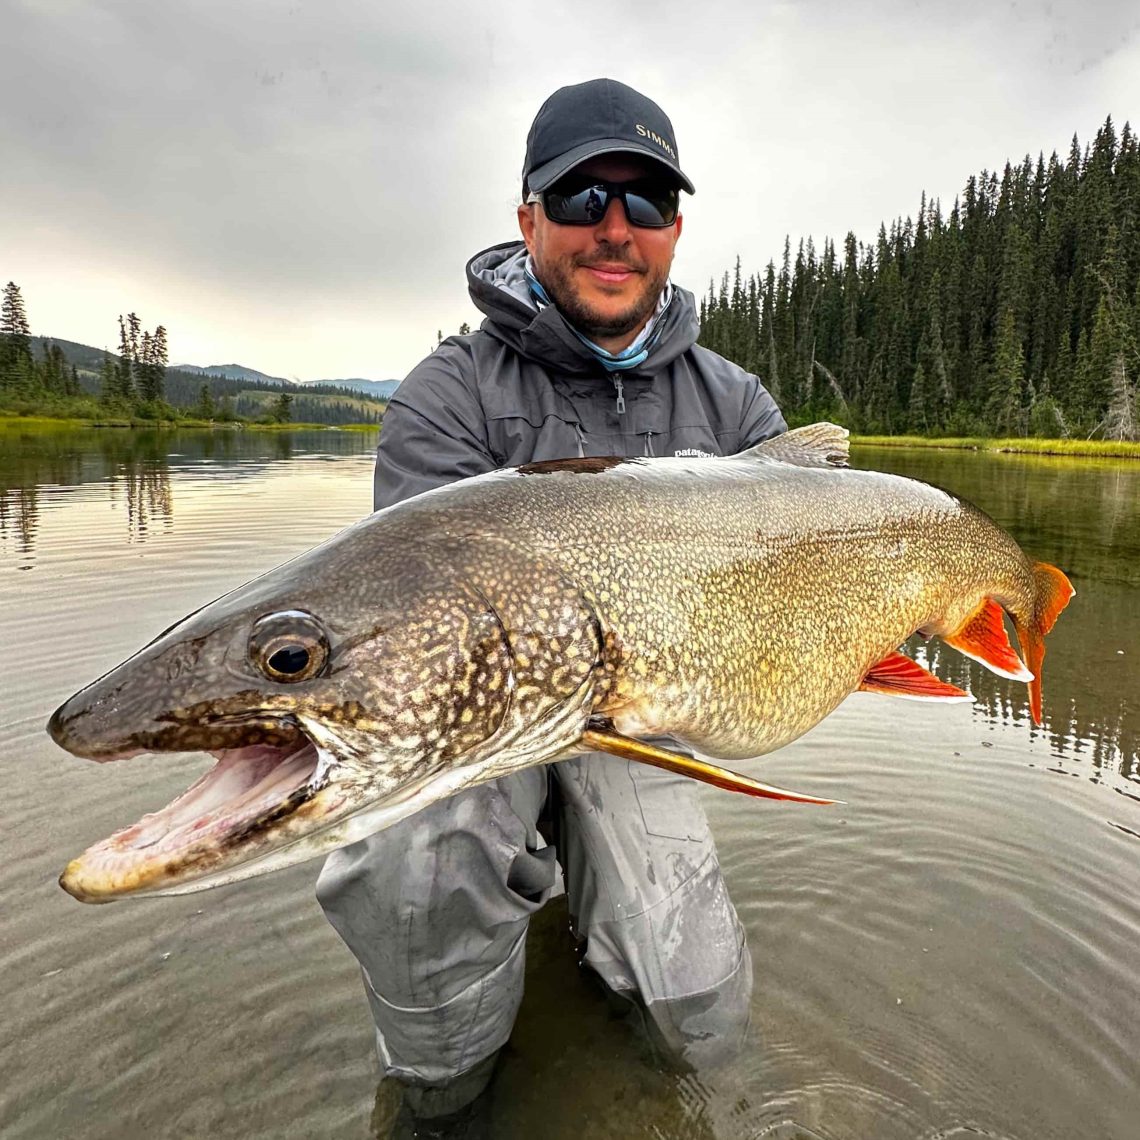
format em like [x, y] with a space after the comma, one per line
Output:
[951, 954]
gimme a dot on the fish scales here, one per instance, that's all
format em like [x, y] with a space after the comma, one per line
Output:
[705, 600]
[522, 616]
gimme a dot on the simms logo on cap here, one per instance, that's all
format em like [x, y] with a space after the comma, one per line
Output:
[653, 136]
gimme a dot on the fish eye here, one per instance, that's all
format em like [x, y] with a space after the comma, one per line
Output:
[288, 646]
[289, 660]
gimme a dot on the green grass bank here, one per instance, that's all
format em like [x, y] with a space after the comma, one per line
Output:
[16, 422]
[1093, 448]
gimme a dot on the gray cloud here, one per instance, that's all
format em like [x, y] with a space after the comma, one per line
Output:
[297, 185]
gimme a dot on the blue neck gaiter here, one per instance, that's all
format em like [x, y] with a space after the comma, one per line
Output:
[629, 357]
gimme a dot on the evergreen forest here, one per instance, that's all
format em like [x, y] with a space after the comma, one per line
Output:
[57, 378]
[1016, 312]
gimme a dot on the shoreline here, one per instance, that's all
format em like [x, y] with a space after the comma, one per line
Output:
[114, 423]
[1087, 448]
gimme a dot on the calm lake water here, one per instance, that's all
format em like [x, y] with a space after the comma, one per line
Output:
[953, 953]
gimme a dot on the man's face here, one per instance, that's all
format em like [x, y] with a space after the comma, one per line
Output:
[605, 277]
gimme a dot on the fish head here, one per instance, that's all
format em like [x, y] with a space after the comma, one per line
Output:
[333, 704]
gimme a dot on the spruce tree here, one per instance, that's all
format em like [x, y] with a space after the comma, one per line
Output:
[125, 374]
[916, 419]
[283, 408]
[145, 371]
[1122, 420]
[160, 357]
[1037, 262]
[16, 365]
[108, 380]
[1008, 378]
[205, 407]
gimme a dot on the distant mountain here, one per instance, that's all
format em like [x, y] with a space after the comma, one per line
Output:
[232, 372]
[318, 401]
[381, 389]
[83, 356]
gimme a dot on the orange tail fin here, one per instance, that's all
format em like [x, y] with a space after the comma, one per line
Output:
[1053, 593]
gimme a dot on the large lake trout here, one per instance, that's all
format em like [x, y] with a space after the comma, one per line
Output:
[522, 616]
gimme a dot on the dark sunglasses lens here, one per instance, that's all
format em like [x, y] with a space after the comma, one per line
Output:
[576, 206]
[649, 205]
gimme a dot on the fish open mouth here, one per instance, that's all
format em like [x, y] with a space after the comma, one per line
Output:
[216, 821]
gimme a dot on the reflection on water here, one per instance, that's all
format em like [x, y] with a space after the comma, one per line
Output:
[18, 518]
[70, 457]
[1083, 516]
[951, 953]
[134, 466]
[1099, 725]
[1080, 514]
[146, 490]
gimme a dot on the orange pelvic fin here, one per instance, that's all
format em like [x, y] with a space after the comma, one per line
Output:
[630, 749]
[1053, 593]
[900, 676]
[982, 636]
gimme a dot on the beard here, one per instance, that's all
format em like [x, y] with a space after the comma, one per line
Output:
[557, 280]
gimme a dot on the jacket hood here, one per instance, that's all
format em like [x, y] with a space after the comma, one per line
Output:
[496, 280]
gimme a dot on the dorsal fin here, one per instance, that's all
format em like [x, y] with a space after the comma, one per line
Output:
[817, 445]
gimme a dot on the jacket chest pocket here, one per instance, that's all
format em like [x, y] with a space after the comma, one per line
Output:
[516, 440]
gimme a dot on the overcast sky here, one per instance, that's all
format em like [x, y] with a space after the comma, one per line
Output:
[297, 186]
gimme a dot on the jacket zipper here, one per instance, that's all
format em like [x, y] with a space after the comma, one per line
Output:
[620, 396]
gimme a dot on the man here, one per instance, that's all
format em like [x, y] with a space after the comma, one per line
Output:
[587, 350]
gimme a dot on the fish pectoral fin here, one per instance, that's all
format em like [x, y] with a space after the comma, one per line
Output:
[983, 637]
[900, 676]
[639, 750]
[816, 445]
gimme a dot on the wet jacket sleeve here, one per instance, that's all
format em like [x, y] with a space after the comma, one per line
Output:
[434, 429]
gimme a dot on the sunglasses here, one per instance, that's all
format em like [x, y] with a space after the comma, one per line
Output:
[584, 201]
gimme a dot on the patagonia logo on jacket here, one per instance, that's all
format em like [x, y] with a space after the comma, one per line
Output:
[693, 453]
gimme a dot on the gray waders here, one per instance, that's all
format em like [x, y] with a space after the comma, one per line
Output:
[436, 911]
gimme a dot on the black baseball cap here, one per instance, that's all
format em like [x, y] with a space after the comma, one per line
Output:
[601, 116]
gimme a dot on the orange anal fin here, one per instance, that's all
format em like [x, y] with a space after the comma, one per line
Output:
[639, 750]
[1053, 593]
[982, 636]
[900, 676]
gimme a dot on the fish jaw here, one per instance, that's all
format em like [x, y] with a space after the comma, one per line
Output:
[253, 796]
[262, 809]
[290, 778]
[365, 821]
[265, 807]
[305, 770]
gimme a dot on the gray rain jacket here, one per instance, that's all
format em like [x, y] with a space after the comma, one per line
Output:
[436, 908]
[524, 388]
